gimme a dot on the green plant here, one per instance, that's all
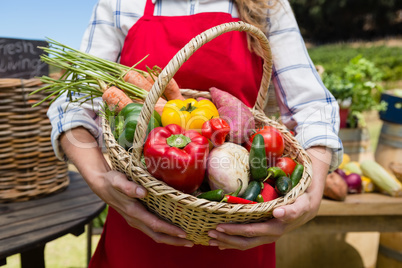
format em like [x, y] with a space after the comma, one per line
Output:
[99, 221]
[334, 57]
[357, 89]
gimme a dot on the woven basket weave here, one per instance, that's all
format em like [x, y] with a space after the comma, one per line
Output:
[28, 167]
[197, 216]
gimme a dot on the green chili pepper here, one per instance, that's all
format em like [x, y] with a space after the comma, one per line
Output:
[258, 158]
[274, 173]
[296, 174]
[213, 195]
[283, 185]
[259, 198]
[252, 191]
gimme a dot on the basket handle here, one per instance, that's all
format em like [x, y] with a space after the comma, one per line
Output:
[182, 56]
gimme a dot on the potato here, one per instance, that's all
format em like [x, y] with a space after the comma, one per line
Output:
[335, 187]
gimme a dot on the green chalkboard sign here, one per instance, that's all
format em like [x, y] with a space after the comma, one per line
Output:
[20, 58]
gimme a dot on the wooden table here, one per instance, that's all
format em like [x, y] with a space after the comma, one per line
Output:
[369, 212]
[26, 227]
[322, 242]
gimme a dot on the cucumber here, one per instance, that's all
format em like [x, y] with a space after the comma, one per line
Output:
[258, 159]
[283, 185]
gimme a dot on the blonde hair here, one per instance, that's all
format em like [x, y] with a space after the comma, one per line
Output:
[255, 12]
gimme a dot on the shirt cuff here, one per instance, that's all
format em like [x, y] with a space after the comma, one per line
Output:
[318, 135]
[73, 119]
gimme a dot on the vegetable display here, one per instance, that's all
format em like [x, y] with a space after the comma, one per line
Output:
[367, 176]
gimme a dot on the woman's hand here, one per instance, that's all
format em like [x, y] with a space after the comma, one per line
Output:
[116, 190]
[286, 218]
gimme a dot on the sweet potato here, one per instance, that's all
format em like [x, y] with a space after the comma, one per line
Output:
[335, 187]
[222, 98]
[235, 113]
[240, 120]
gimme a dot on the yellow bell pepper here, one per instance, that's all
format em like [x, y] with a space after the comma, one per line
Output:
[189, 113]
[345, 160]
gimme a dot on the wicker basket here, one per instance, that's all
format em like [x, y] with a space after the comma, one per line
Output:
[28, 167]
[197, 216]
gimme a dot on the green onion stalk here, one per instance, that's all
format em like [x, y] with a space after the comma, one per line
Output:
[85, 74]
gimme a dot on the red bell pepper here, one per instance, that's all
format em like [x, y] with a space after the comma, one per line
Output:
[177, 157]
[216, 130]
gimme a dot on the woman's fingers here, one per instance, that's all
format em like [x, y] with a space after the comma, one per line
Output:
[226, 241]
[138, 216]
[138, 212]
[294, 211]
[120, 182]
[166, 238]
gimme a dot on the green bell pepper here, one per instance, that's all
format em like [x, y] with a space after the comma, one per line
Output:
[129, 117]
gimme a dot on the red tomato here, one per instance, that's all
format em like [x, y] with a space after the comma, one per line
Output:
[287, 164]
[274, 142]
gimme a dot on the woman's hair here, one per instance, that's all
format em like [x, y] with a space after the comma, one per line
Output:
[255, 12]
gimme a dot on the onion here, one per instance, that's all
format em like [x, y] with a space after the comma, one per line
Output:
[354, 182]
[341, 172]
[225, 165]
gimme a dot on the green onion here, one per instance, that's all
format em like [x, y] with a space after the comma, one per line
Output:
[85, 74]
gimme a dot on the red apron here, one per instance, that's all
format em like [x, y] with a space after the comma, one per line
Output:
[225, 63]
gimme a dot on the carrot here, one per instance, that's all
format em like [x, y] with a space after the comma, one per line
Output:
[172, 91]
[115, 98]
[159, 105]
[151, 78]
[137, 79]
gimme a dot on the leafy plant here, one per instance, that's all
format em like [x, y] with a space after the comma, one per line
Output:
[99, 221]
[334, 57]
[357, 89]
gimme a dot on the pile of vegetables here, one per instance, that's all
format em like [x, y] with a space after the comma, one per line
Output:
[352, 177]
[211, 149]
[208, 148]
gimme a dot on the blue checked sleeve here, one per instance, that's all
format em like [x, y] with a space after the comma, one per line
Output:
[305, 103]
[65, 115]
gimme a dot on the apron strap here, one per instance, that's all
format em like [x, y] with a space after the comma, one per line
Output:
[149, 8]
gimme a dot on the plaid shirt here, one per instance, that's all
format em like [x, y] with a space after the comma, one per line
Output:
[304, 102]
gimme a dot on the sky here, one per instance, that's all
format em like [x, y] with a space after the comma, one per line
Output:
[64, 21]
